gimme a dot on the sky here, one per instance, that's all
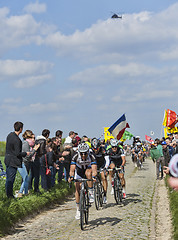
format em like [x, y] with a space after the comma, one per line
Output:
[68, 65]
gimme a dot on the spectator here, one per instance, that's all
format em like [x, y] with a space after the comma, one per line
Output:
[35, 166]
[165, 154]
[27, 146]
[46, 161]
[157, 157]
[59, 133]
[13, 157]
[67, 159]
[175, 147]
[170, 148]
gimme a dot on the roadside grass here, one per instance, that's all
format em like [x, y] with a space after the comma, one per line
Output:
[173, 196]
[13, 210]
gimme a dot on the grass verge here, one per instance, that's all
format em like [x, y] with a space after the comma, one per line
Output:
[13, 210]
[173, 196]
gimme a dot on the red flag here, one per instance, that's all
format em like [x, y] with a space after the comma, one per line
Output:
[171, 118]
[149, 139]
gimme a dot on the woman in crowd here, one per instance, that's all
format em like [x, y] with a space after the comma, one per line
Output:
[27, 146]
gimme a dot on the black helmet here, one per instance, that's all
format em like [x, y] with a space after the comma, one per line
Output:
[95, 143]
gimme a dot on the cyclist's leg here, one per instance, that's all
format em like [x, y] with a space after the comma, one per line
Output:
[88, 174]
[112, 165]
[123, 183]
[104, 182]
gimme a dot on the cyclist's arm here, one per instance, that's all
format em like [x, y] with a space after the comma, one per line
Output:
[123, 160]
[107, 162]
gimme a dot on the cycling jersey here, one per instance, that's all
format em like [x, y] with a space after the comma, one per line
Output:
[101, 158]
[115, 157]
[82, 165]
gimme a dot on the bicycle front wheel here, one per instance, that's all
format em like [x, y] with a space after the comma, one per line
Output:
[82, 208]
[97, 195]
[116, 190]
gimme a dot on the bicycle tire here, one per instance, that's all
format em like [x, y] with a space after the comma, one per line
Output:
[116, 190]
[101, 194]
[87, 205]
[120, 191]
[82, 208]
[96, 195]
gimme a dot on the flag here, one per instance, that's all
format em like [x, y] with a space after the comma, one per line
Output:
[118, 128]
[127, 135]
[165, 118]
[171, 118]
[149, 139]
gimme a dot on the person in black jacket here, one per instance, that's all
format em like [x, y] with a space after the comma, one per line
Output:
[13, 157]
[35, 166]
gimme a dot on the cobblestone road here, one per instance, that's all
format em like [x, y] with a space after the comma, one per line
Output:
[131, 220]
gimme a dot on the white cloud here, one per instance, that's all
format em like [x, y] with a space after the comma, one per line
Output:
[137, 36]
[25, 73]
[35, 7]
[12, 100]
[32, 81]
[107, 73]
[74, 95]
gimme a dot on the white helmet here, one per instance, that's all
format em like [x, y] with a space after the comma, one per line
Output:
[83, 147]
[114, 142]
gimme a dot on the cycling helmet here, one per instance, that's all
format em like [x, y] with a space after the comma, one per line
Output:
[114, 142]
[95, 143]
[83, 147]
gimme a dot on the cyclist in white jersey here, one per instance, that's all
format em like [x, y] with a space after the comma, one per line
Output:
[83, 165]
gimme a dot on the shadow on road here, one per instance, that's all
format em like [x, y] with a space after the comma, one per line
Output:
[102, 221]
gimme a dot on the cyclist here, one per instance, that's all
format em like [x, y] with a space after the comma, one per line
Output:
[102, 163]
[83, 165]
[117, 159]
[138, 153]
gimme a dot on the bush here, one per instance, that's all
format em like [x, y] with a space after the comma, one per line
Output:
[2, 148]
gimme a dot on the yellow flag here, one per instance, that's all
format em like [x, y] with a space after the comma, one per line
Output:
[165, 118]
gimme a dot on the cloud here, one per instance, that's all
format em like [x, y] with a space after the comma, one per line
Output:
[25, 73]
[35, 8]
[137, 36]
[113, 72]
[12, 100]
[21, 30]
[32, 81]
[72, 95]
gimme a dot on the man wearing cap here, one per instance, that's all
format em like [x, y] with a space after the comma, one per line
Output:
[165, 153]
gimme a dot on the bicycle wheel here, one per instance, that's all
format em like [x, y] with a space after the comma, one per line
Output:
[82, 208]
[101, 192]
[97, 195]
[87, 205]
[120, 190]
[116, 190]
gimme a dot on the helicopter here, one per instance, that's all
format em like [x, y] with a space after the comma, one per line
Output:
[116, 16]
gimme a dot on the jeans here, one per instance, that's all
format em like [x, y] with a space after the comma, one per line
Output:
[45, 179]
[24, 175]
[10, 178]
[34, 174]
[66, 171]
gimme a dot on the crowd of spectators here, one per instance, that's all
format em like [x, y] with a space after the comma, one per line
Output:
[164, 152]
[34, 155]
